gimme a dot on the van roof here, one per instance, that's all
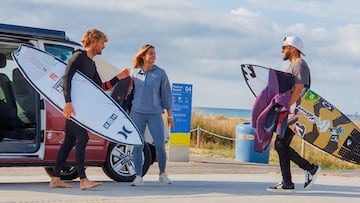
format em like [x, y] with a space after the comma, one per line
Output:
[33, 32]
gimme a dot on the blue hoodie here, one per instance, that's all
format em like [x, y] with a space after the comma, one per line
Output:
[152, 91]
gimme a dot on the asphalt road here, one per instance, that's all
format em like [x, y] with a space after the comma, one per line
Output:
[200, 180]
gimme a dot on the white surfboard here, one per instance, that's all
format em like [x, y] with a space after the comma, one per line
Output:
[95, 110]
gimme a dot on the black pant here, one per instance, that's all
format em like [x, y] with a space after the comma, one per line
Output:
[287, 154]
[75, 136]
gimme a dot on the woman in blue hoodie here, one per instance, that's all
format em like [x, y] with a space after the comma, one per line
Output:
[152, 96]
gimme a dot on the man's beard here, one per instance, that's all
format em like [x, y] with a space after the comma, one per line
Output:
[285, 58]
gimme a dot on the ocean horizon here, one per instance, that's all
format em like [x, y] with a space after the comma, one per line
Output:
[228, 112]
[242, 113]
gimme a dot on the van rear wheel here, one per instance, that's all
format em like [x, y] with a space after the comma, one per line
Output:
[119, 164]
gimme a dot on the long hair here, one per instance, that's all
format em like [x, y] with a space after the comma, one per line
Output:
[93, 35]
[138, 60]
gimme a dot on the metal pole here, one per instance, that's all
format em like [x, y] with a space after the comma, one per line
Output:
[197, 137]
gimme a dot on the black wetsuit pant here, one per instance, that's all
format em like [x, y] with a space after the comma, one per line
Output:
[287, 154]
[75, 136]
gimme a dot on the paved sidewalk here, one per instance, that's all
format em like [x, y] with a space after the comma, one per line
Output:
[203, 165]
[198, 181]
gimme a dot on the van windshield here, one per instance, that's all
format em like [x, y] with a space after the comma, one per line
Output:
[62, 52]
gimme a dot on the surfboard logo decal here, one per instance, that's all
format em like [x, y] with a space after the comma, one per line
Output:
[322, 125]
[335, 134]
[125, 132]
[17, 53]
[53, 76]
[327, 104]
[38, 65]
[110, 121]
[311, 95]
[58, 86]
[348, 142]
[300, 129]
[249, 71]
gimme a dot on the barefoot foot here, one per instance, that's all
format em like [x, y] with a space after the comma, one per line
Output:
[56, 182]
[87, 184]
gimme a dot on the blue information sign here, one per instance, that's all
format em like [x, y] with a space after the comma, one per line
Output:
[181, 111]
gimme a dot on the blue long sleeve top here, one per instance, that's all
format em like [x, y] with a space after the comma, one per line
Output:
[152, 91]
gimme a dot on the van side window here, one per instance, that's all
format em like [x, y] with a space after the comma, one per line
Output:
[62, 52]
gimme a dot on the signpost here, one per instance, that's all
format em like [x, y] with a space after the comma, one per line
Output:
[180, 135]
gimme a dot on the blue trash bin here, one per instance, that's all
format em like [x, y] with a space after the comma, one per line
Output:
[244, 145]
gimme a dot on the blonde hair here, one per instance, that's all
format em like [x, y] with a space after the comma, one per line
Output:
[138, 60]
[93, 35]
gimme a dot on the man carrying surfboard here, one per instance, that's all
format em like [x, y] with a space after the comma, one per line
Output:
[292, 49]
[81, 60]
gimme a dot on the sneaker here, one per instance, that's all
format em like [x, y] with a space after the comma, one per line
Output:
[163, 178]
[280, 187]
[310, 176]
[138, 181]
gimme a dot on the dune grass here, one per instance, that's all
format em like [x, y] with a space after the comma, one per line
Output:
[212, 146]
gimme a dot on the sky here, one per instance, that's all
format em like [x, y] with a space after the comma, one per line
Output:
[204, 42]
